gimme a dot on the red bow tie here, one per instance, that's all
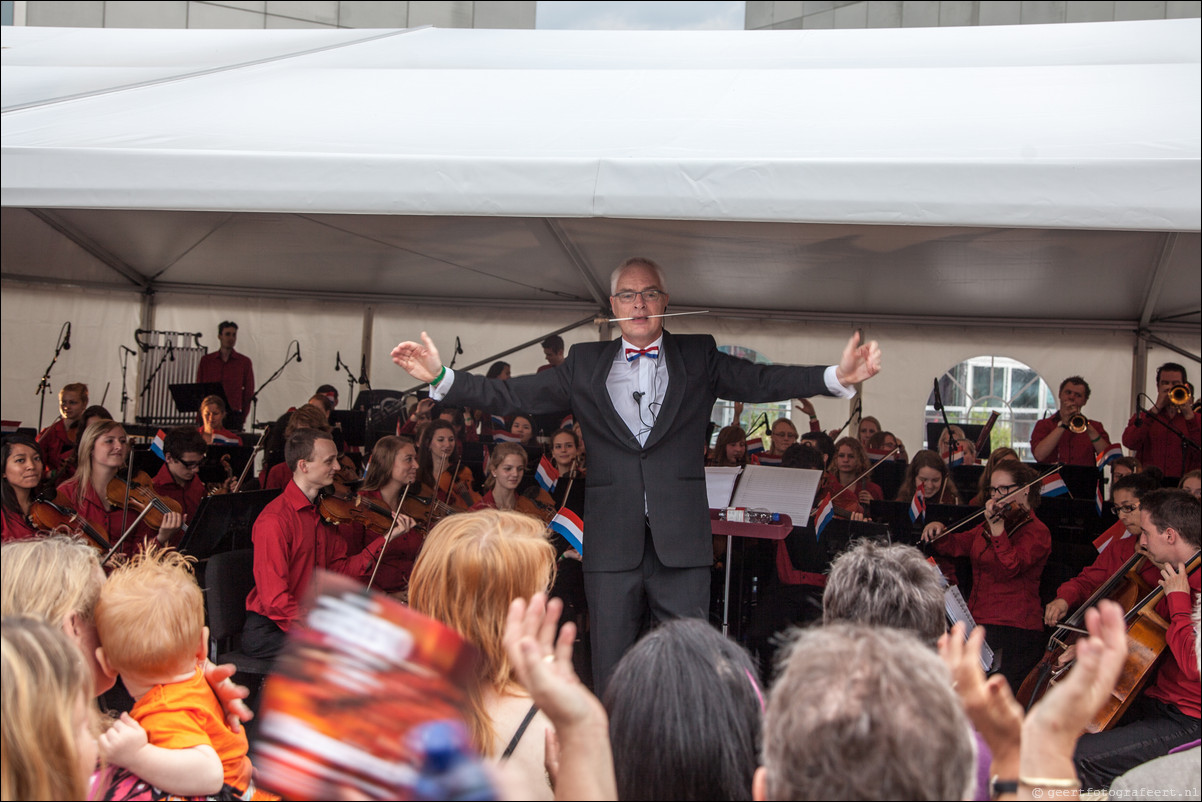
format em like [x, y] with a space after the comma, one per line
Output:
[634, 353]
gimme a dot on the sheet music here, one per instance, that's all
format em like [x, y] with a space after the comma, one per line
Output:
[787, 490]
[957, 610]
[719, 485]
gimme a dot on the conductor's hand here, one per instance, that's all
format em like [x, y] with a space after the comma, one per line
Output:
[859, 362]
[422, 362]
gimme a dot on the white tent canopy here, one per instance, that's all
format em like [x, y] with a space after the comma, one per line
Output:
[1030, 178]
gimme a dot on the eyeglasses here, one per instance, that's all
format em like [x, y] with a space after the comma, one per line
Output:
[1127, 509]
[1002, 490]
[628, 296]
[191, 464]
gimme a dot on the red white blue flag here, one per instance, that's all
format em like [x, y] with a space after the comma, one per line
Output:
[755, 445]
[1053, 485]
[568, 524]
[156, 445]
[826, 511]
[1110, 455]
[957, 457]
[1099, 501]
[220, 439]
[918, 507]
[546, 474]
[505, 437]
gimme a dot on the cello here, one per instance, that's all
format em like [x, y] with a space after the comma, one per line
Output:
[1146, 641]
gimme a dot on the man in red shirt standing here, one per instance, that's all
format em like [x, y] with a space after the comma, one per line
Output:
[291, 541]
[233, 371]
[1058, 438]
[1159, 436]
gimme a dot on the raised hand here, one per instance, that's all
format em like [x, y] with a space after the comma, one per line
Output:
[421, 361]
[859, 362]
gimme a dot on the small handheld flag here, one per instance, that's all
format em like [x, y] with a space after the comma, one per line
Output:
[156, 445]
[918, 507]
[546, 474]
[1053, 485]
[569, 525]
[826, 511]
[957, 457]
[220, 439]
[505, 437]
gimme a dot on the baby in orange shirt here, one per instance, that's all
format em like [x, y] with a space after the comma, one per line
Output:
[150, 620]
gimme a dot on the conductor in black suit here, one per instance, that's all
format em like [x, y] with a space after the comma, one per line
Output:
[643, 403]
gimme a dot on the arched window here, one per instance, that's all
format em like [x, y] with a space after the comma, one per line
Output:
[757, 418]
[976, 387]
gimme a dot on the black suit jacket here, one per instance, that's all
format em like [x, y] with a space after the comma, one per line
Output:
[669, 471]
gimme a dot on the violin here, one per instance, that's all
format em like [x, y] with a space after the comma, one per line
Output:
[341, 509]
[51, 515]
[458, 490]
[1010, 514]
[221, 488]
[141, 496]
[426, 508]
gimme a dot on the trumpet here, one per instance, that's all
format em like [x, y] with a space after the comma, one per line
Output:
[1077, 423]
[1180, 395]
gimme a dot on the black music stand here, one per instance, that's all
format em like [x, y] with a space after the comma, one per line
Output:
[213, 472]
[224, 522]
[145, 461]
[187, 397]
[352, 423]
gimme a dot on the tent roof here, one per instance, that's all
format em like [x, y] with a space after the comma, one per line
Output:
[948, 173]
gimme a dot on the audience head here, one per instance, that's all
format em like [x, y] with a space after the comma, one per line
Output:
[58, 580]
[685, 709]
[471, 568]
[886, 586]
[49, 721]
[852, 697]
[151, 617]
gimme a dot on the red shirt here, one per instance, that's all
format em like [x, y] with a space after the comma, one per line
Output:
[1176, 680]
[15, 527]
[1153, 444]
[1005, 572]
[397, 565]
[1073, 448]
[277, 477]
[56, 446]
[189, 496]
[850, 499]
[237, 377]
[291, 541]
[111, 524]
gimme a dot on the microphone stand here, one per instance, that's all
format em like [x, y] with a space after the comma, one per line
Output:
[859, 407]
[254, 399]
[170, 352]
[947, 425]
[44, 384]
[351, 381]
[124, 354]
[454, 356]
[1186, 443]
[363, 380]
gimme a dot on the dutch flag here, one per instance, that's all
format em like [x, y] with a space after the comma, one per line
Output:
[826, 511]
[957, 457]
[568, 524]
[755, 445]
[1110, 455]
[546, 475]
[225, 440]
[505, 437]
[567, 423]
[156, 445]
[498, 422]
[1053, 485]
[876, 455]
[1099, 501]
[918, 507]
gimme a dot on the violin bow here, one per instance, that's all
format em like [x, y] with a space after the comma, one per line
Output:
[969, 519]
[395, 517]
[127, 533]
[864, 475]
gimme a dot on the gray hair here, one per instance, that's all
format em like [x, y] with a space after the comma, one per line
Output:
[865, 713]
[642, 261]
[887, 586]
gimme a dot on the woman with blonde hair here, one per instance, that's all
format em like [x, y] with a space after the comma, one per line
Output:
[928, 472]
[49, 718]
[506, 467]
[470, 570]
[850, 462]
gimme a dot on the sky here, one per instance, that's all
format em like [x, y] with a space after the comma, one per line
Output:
[665, 16]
